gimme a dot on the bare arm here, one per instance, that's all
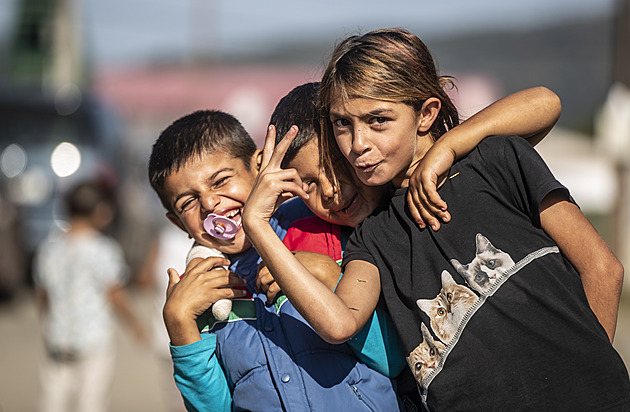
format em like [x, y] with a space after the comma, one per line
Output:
[323, 267]
[529, 113]
[120, 300]
[335, 317]
[41, 299]
[600, 271]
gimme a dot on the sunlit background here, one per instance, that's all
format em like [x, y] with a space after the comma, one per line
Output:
[87, 86]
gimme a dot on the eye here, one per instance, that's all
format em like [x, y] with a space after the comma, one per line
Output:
[449, 296]
[310, 185]
[432, 351]
[220, 182]
[379, 120]
[187, 204]
[441, 311]
[491, 263]
[340, 122]
[479, 277]
[418, 366]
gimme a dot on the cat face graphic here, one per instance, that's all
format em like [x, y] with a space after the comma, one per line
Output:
[448, 308]
[424, 358]
[484, 270]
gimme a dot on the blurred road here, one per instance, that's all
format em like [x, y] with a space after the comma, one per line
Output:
[136, 386]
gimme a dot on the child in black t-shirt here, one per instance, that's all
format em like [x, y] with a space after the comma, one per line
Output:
[493, 308]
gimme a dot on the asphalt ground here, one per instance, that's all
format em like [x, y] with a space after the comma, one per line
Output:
[137, 383]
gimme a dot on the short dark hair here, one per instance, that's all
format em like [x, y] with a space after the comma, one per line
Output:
[194, 135]
[298, 107]
[84, 197]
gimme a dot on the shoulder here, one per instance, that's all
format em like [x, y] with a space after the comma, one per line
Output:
[498, 145]
[311, 224]
[292, 210]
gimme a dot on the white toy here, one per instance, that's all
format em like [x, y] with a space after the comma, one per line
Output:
[221, 308]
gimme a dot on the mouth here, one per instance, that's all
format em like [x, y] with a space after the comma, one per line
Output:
[234, 215]
[367, 168]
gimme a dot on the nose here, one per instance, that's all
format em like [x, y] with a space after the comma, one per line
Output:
[327, 189]
[359, 140]
[209, 202]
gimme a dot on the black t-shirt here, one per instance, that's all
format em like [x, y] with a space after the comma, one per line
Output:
[492, 315]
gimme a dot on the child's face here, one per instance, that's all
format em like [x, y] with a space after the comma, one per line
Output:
[215, 183]
[350, 207]
[377, 137]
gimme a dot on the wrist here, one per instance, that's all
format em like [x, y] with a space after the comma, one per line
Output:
[181, 326]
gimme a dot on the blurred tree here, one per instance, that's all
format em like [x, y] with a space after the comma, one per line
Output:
[44, 53]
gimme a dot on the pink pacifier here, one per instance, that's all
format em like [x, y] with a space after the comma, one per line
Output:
[220, 227]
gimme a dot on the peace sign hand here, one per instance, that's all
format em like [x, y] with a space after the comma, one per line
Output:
[273, 185]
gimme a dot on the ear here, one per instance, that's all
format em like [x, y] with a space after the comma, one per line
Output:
[257, 159]
[428, 113]
[175, 220]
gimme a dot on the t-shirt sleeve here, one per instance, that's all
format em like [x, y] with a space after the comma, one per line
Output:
[523, 174]
[356, 248]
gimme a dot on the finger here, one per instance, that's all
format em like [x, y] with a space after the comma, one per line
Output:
[262, 269]
[266, 282]
[270, 143]
[173, 279]
[285, 182]
[272, 291]
[262, 281]
[432, 196]
[439, 208]
[193, 262]
[412, 201]
[281, 148]
[212, 262]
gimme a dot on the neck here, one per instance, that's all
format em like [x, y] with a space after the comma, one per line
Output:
[79, 225]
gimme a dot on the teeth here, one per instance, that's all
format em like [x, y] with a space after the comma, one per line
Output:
[231, 214]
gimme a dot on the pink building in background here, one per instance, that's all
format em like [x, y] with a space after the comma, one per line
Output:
[159, 95]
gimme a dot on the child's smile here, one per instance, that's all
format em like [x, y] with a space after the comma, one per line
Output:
[215, 183]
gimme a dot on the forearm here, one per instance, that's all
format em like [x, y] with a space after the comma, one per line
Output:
[529, 113]
[603, 291]
[327, 313]
[200, 377]
[599, 269]
[120, 301]
[182, 328]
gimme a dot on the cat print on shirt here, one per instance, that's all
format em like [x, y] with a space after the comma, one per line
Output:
[448, 308]
[424, 358]
[487, 266]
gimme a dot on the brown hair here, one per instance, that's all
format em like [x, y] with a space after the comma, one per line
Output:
[388, 64]
[189, 137]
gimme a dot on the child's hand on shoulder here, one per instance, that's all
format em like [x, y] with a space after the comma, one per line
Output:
[265, 282]
[425, 204]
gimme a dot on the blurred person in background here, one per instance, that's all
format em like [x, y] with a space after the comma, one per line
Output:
[79, 277]
[167, 250]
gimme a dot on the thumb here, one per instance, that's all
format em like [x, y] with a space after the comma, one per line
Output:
[173, 279]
